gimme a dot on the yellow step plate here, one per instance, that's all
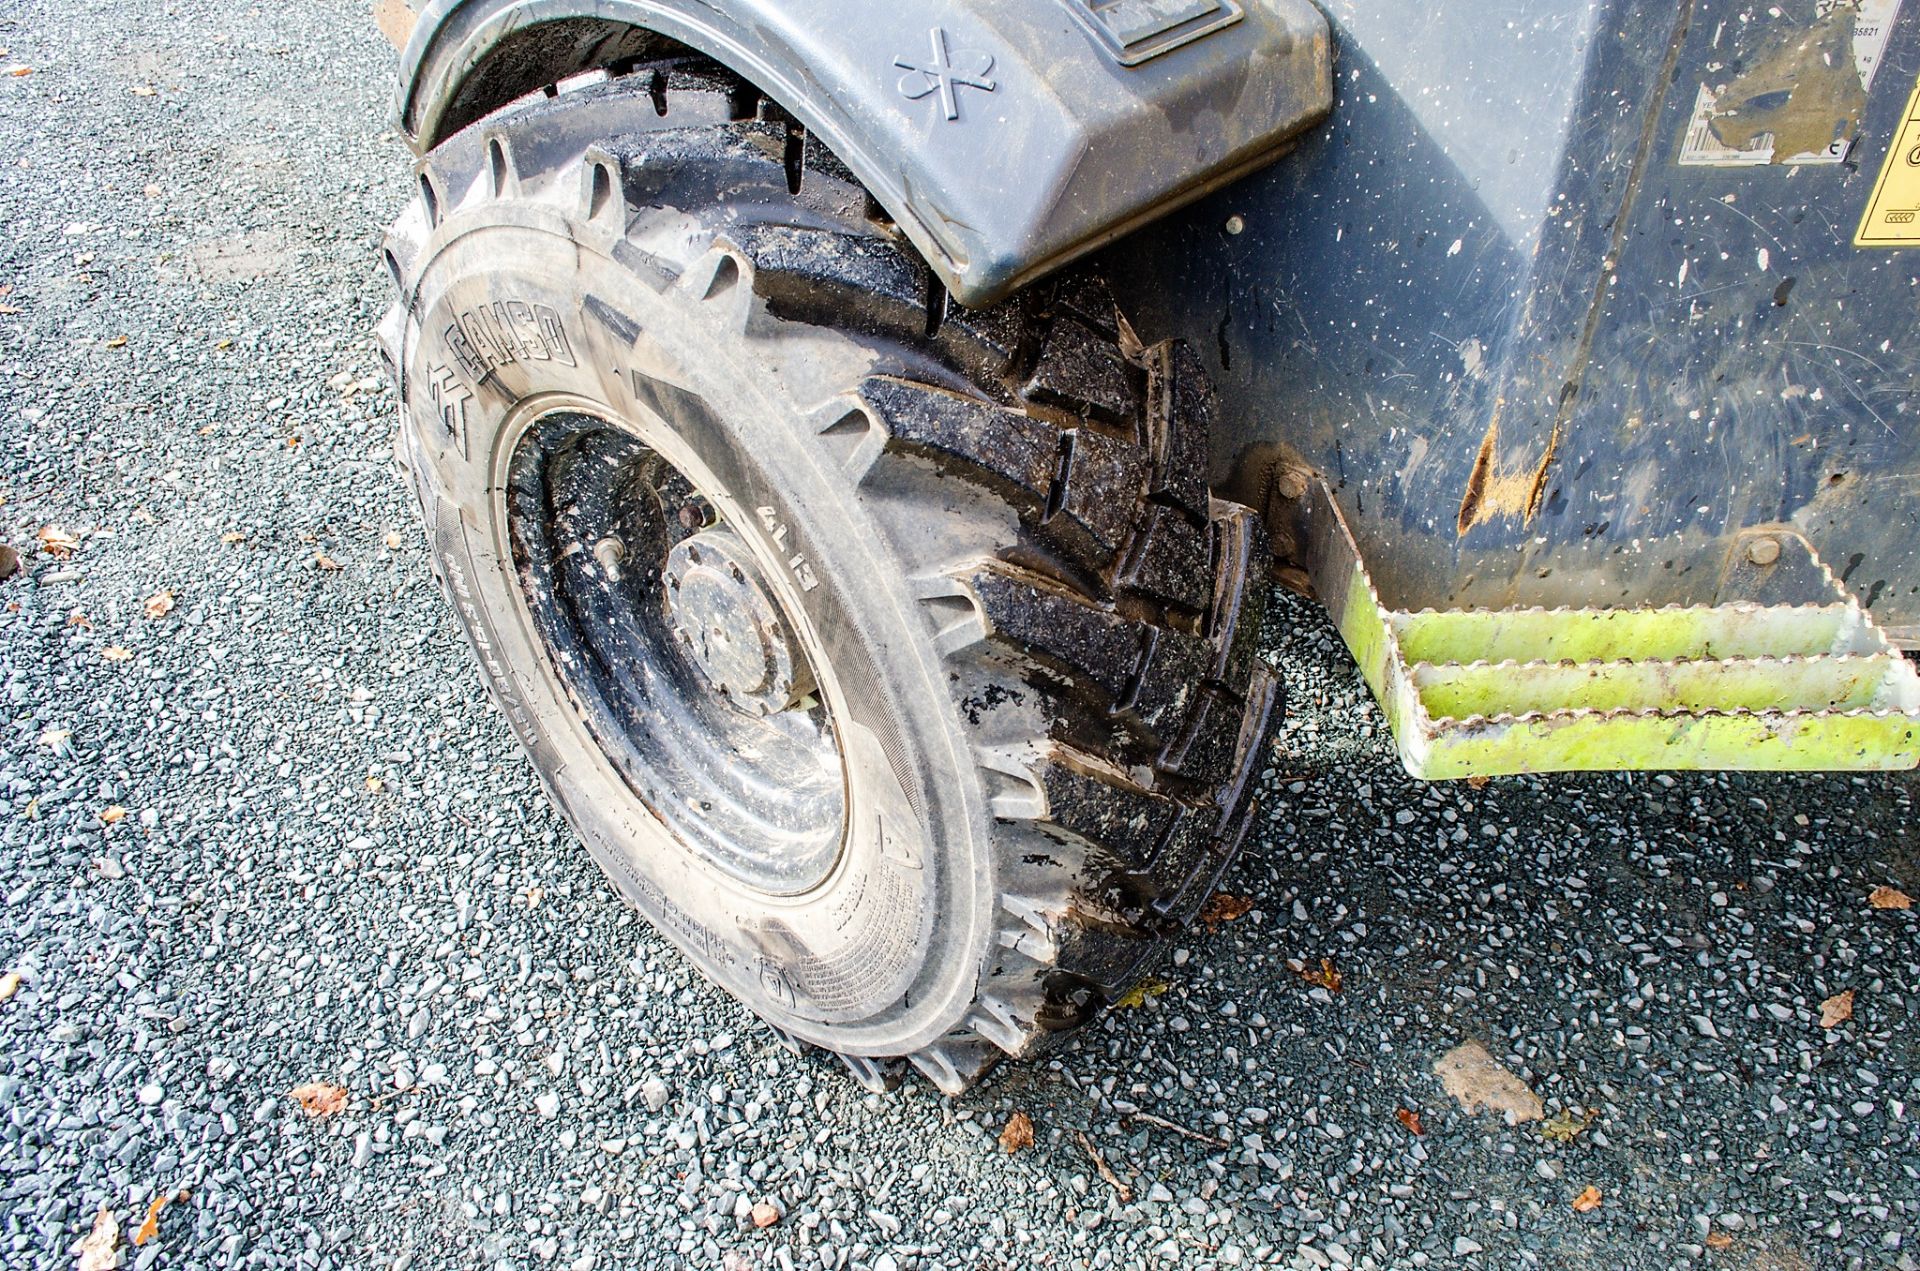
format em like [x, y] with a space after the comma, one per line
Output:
[1790, 687]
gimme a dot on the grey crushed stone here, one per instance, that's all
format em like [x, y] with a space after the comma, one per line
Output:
[334, 866]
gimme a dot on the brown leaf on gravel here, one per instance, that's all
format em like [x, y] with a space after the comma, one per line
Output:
[17, 71]
[1018, 1134]
[1587, 1201]
[1836, 1010]
[319, 1099]
[1411, 1119]
[1477, 1080]
[233, 536]
[1889, 898]
[114, 653]
[117, 342]
[113, 815]
[58, 543]
[1323, 976]
[159, 604]
[1224, 907]
[144, 90]
[1718, 1240]
[80, 620]
[9, 985]
[150, 1228]
[100, 1250]
[322, 561]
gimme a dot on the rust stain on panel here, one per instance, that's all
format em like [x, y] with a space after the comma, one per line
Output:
[1491, 492]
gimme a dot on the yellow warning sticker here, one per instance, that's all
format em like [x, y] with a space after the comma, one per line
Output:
[1893, 213]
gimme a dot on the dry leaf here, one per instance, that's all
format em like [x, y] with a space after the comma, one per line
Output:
[375, 785]
[1889, 898]
[325, 562]
[113, 815]
[100, 1250]
[54, 738]
[159, 604]
[58, 543]
[1411, 1119]
[320, 1099]
[117, 342]
[1587, 1201]
[1018, 1134]
[1224, 907]
[80, 620]
[114, 653]
[223, 344]
[1478, 783]
[9, 985]
[1718, 1240]
[150, 1229]
[1324, 976]
[394, 540]
[1836, 1010]
[1476, 1080]
[1564, 1125]
[233, 536]
[17, 71]
[143, 90]
[1136, 997]
[765, 1215]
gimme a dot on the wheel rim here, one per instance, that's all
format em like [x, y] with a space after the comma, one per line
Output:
[694, 676]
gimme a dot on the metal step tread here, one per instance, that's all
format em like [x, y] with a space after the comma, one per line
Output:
[1796, 684]
[1803, 682]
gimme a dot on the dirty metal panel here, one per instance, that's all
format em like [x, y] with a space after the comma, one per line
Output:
[1565, 297]
[1793, 685]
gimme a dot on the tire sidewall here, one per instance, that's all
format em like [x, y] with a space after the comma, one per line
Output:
[880, 959]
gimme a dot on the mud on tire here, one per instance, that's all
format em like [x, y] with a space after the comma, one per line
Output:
[1041, 629]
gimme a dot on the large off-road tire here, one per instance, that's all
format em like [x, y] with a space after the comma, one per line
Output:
[1018, 709]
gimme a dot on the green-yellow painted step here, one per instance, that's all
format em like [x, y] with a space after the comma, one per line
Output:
[1485, 689]
[1599, 635]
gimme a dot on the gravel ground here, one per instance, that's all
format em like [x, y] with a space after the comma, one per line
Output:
[272, 834]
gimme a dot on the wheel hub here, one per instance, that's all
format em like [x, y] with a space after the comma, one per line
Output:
[728, 624]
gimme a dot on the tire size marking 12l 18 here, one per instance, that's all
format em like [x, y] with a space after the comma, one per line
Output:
[797, 562]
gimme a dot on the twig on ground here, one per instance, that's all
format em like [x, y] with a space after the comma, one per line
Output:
[1180, 1130]
[1120, 1189]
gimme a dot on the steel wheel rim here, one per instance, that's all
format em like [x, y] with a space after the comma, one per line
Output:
[594, 512]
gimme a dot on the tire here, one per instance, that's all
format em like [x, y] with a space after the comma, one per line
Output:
[989, 533]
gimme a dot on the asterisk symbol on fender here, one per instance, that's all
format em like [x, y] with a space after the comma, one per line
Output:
[941, 74]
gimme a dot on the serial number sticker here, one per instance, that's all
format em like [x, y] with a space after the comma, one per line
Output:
[1793, 103]
[1892, 218]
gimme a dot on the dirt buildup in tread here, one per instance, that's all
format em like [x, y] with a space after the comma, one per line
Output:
[1126, 601]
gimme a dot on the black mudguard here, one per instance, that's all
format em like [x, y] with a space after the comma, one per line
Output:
[1005, 137]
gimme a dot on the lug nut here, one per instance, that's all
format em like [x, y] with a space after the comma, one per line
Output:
[696, 514]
